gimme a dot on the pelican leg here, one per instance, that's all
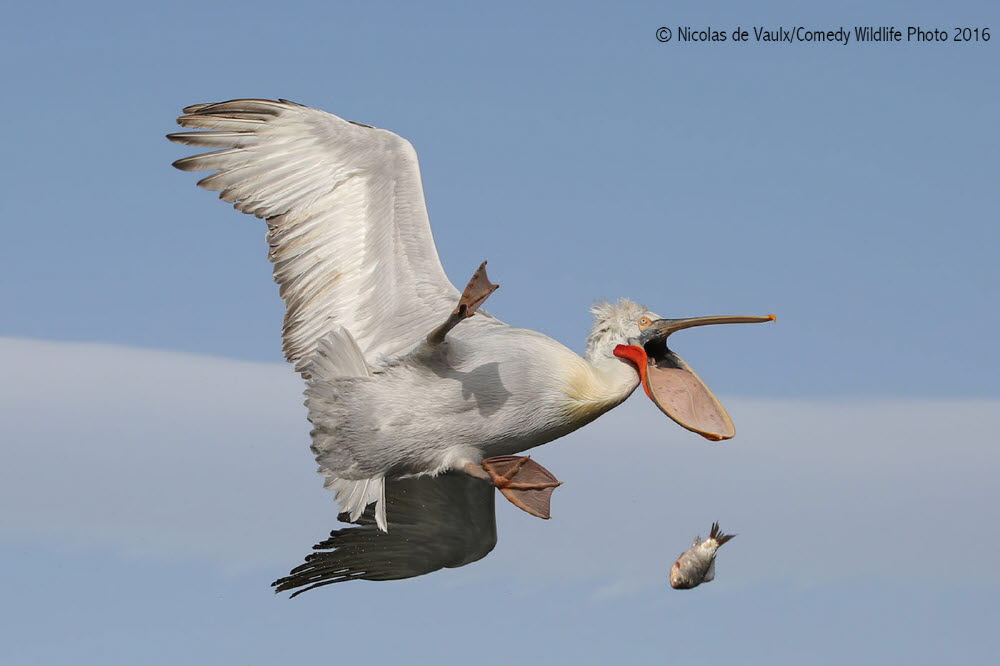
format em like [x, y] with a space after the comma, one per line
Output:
[476, 292]
[525, 483]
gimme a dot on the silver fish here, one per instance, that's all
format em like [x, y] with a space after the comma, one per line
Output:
[696, 565]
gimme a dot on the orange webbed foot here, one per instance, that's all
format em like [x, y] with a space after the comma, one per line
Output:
[525, 483]
[476, 292]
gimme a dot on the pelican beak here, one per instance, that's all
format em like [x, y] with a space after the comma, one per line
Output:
[672, 385]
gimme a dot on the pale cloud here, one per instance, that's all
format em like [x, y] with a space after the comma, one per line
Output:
[169, 455]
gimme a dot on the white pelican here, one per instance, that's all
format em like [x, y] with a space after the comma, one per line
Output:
[418, 398]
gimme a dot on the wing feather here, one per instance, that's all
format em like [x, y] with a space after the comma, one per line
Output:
[434, 522]
[348, 229]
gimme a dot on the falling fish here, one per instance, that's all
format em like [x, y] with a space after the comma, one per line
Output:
[696, 565]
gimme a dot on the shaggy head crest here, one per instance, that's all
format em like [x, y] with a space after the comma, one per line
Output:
[614, 324]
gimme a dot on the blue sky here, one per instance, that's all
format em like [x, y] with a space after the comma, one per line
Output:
[849, 190]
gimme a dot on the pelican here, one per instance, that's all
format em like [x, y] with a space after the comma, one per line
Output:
[420, 400]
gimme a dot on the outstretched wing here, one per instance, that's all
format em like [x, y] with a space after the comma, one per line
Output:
[434, 522]
[347, 224]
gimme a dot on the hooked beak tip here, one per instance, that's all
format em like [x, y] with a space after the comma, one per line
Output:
[772, 317]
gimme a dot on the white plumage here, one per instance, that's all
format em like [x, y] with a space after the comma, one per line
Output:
[364, 291]
[347, 225]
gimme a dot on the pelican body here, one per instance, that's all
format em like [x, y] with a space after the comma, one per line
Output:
[488, 390]
[419, 398]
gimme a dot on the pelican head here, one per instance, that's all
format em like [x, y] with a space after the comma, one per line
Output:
[631, 332]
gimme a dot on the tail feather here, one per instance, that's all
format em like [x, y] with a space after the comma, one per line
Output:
[718, 535]
[354, 496]
[338, 355]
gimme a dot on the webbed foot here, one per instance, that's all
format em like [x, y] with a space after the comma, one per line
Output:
[476, 292]
[525, 483]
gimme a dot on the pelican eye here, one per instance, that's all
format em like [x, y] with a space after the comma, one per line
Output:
[644, 323]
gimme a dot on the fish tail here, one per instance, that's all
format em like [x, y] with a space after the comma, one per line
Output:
[718, 535]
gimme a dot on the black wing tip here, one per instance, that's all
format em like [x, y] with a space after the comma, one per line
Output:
[186, 163]
[334, 539]
[257, 104]
[305, 581]
[182, 138]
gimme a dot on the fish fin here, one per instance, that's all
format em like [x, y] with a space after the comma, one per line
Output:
[718, 535]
